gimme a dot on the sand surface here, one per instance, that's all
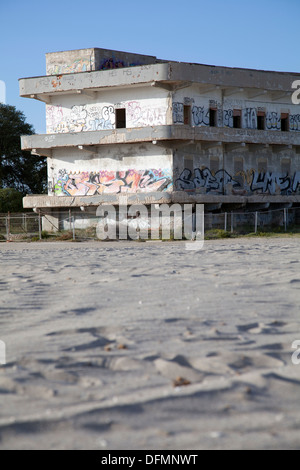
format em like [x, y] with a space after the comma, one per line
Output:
[126, 345]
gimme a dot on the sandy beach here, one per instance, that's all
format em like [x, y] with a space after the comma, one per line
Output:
[127, 345]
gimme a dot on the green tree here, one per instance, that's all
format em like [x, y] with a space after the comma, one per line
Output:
[10, 200]
[19, 169]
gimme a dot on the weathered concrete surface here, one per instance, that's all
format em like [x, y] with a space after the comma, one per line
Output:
[85, 60]
[93, 80]
[159, 133]
[41, 201]
[232, 77]
[167, 73]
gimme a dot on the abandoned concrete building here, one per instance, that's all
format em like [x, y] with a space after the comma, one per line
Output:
[129, 128]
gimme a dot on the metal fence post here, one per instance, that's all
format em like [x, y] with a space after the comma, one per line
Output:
[40, 226]
[256, 221]
[7, 228]
[70, 219]
[24, 216]
[231, 222]
[284, 219]
[225, 222]
[73, 220]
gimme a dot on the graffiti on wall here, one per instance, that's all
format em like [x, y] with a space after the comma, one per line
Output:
[200, 116]
[228, 118]
[295, 122]
[275, 182]
[178, 113]
[108, 64]
[130, 181]
[78, 65]
[79, 118]
[139, 115]
[273, 121]
[249, 118]
[205, 179]
[254, 181]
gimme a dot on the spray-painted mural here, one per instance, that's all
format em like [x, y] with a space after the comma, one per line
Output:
[78, 65]
[129, 181]
[254, 181]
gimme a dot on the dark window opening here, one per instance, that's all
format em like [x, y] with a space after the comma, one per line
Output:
[214, 165]
[120, 118]
[262, 166]
[237, 118]
[285, 123]
[213, 117]
[286, 166]
[261, 121]
[239, 171]
[187, 115]
[188, 164]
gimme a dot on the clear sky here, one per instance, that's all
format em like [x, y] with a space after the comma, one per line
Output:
[260, 34]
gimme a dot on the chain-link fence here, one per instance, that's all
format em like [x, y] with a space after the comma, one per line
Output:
[22, 226]
[81, 225]
[254, 222]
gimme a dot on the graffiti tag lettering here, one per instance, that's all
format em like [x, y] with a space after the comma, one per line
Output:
[205, 179]
[131, 181]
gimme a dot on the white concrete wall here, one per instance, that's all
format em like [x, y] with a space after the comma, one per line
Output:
[145, 106]
[117, 168]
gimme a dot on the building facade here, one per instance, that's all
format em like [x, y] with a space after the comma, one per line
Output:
[128, 128]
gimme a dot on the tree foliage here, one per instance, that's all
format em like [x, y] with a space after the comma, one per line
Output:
[10, 200]
[19, 169]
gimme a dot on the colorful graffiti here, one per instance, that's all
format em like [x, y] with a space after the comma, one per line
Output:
[130, 181]
[78, 65]
[260, 182]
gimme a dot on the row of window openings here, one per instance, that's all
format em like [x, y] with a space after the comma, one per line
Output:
[237, 119]
[262, 167]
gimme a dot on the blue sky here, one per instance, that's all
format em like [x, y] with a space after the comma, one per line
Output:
[260, 34]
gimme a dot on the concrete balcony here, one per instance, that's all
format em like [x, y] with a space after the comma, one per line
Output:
[43, 88]
[176, 197]
[169, 136]
[168, 75]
